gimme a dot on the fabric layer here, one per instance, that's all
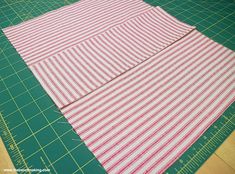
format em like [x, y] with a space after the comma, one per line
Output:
[69, 73]
[79, 70]
[143, 120]
[46, 35]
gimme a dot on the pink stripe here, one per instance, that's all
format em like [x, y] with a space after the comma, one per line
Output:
[138, 54]
[123, 47]
[144, 50]
[110, 62]
[61, 74]
[90, 62]
[54, 84]
[93, 60]
[87, 64]
[74, 72]
[79, 69]
[111, 51]
[131, 30]
[114, 48]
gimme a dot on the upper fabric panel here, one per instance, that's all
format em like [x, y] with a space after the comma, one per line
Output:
[88, 58]
[79, 70]
[55, 31]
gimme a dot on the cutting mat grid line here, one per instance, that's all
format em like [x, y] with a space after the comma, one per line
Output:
[27, 125]
[42, 134]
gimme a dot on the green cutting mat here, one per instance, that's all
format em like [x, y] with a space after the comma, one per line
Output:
[35, 133]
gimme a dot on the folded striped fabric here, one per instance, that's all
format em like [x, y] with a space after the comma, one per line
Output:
[143, 120]
[46, 35]
[90, 57]
[137, 85]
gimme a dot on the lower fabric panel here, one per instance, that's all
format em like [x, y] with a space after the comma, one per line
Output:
[143, 120]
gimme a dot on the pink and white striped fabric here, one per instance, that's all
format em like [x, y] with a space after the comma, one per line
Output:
[46, 35]
[94, 57]
[143, 120]
[155, 84]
